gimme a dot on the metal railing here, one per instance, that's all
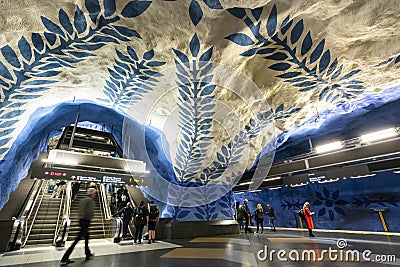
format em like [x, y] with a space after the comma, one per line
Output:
[61, 233]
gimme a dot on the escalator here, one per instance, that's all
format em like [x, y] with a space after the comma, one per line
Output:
[97, 228]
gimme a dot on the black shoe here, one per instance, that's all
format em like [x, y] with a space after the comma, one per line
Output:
[89, 256]
[139, 242]
[154, 241]
[67, 261]
[149, 242]
[312, 235]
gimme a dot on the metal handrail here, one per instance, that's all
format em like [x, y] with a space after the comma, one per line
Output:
[17, 231]
[25, 220]
[101, 189]
[65, 207]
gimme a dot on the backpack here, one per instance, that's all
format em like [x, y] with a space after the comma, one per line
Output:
[153, 213]
[301, 214]
[140, 215]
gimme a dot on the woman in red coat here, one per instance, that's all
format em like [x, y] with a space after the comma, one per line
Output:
[308, 216]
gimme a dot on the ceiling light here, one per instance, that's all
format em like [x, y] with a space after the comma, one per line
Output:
[384, 134]
[252, 191]
[245, 183]
[272, 179]
[329, 147]
[272, 188]
[237, 193]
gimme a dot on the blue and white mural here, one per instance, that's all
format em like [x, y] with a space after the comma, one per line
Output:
[213, 86]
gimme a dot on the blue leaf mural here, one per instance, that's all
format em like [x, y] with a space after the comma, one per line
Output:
[135, 8]
[195, 12]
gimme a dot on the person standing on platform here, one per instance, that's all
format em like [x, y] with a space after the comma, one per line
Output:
[240, 217]
[271, 215]
[141, 218]
[247, 216]
[259, 217]
[127, 218]
[154, 215]
[308, 217]
[85, 215]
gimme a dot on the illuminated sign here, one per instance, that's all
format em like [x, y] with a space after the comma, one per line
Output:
[82, 176]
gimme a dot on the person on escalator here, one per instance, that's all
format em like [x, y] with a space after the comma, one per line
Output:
[141, 219]
[85, 215]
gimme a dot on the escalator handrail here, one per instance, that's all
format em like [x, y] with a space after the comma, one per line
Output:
[102, 203]
[63, 207]
[61, 233]
[36, 212]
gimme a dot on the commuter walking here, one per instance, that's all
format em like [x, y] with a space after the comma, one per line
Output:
[240, 217]
[247, 216]
[308, 218]
[154, 215]
[259, 217]
[141, 218]
[85, 215]
[271, 215]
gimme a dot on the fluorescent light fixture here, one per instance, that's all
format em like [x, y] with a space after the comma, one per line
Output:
[328, 181]
[362, 176]
[273, 188]
[296, 185]
[397, 172]
[272, 179]
[245, 183]
[375, 136]
[238, 193]
[252, 191]
[329, 147]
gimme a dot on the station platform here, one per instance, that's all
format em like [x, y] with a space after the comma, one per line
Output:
[244, 249]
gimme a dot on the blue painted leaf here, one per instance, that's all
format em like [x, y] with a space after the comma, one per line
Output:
[208, 90]
[194, 45]
[321, 212]
[240, 39]
[37, 41]
[279, 108]
[132, 53]
[65, 22]
[25, 48]
[12, 114]
[51, 26]
[214, 4]
[34, 89]
[337, 73]
[257, 13]
[135, 8]
[81, 54]
[109, 7]
[353, 86]
[317, 51]
[280, 66]
[195, 12]
[40, 82]
[181, 56]
[127, 32]
[240, 13]
[340, 211]
[4, 72]
[3, 150]
[50, 37]
[115, 34]
[326, 192]
[149, 54]
[397, 60]
[335, 195]
[4, 141]
[286, 25]
[10, 56]
[323, 93]
[7, 124]
[332, 67]
[25, 96]
[182, 214]
[350, 74]
[93, 7]
[206, 56]
[48, 73]
[90, 47]
[297, 31]
[307, 44]
[277, 56]
[79, 20]
[6, 132]
[272, 22]
[331, 215]
[319, 195]
[289, 74]
[305, 84]
[265, 51]
[155, 63]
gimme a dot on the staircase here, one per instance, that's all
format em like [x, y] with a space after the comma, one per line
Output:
[44, 224]
[96, 228]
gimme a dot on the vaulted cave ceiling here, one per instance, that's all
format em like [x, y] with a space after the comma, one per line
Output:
[210, 75]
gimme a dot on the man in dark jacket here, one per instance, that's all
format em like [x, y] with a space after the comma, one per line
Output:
[127, 218]
[85, 215]
[141, 219]
[271, 215]
[247, 216]
[240, 217]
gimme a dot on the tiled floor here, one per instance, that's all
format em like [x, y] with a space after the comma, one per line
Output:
[282, 247]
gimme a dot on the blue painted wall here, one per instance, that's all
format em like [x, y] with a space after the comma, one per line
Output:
[344, 204]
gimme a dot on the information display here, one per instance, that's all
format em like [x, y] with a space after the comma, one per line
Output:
[83, 176]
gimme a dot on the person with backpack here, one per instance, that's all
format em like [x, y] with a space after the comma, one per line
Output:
[308, 218]
[127, 218]
[240, 217]
[259, 217]
[154, 215]
[141, 218]
[271, 215]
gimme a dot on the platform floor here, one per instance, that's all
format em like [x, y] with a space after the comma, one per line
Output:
[284, 247]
